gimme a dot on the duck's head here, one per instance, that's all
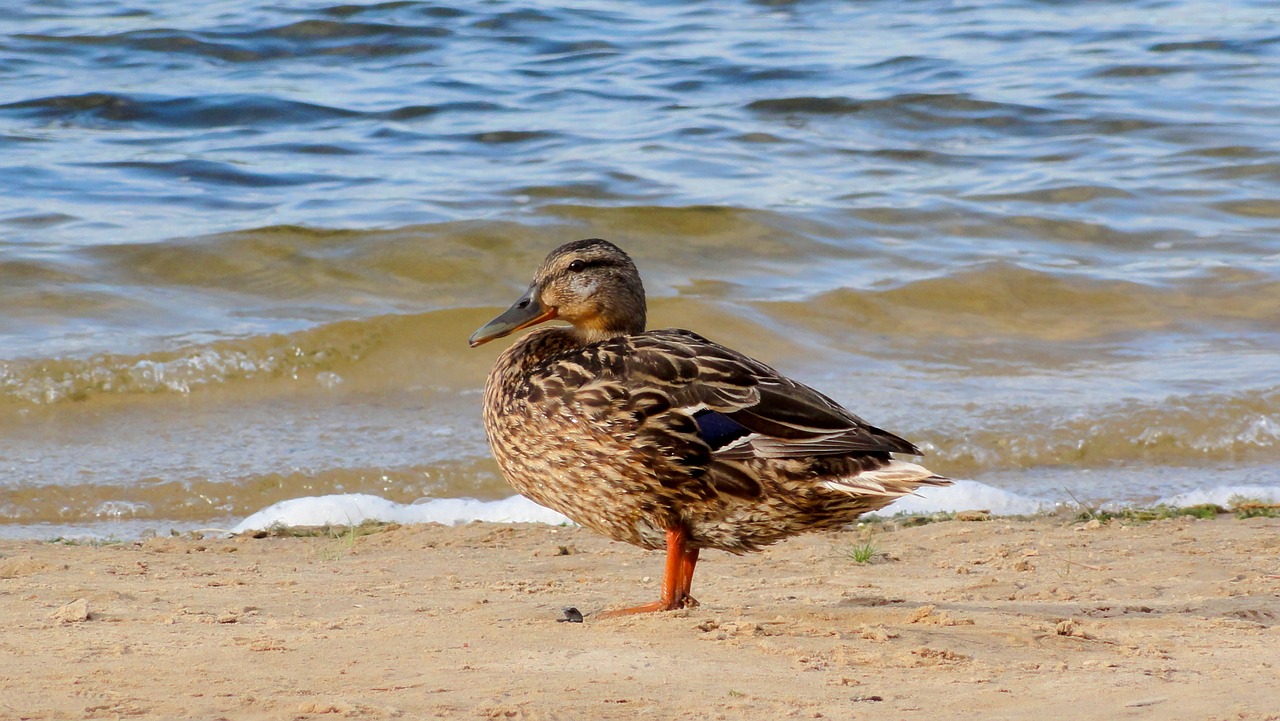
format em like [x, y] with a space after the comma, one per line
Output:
[590, 283]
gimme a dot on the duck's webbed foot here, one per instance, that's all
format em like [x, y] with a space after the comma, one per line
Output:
[677, 578]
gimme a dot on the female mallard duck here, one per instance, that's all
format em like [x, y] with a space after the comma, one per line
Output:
[664, 438]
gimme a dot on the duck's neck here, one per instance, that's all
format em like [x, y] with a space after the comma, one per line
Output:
[538, 345]
[587, 336]
[534, 348]
[604, 326]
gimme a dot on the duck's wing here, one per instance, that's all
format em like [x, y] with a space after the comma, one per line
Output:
[742, 407]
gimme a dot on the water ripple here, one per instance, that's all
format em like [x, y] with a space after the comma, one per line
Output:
[1005, 228]
[171, 112]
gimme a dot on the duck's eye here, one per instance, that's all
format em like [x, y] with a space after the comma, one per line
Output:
[576, 266]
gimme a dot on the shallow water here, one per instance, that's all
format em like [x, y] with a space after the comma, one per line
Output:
[241, 247]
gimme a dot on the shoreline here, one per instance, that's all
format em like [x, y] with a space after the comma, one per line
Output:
[1172, 618]
[356, 508]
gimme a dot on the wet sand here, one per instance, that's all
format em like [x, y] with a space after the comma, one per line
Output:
[1003, 619]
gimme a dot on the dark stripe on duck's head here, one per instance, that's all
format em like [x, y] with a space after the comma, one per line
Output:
[718, 430]
[579, 255]
[575, 246]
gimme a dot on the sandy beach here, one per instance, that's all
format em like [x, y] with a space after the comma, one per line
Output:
[1046, 618]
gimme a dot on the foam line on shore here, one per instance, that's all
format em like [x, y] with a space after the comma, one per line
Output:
[354, 508]
[1223, 495]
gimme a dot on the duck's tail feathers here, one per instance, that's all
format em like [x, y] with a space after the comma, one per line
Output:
[895, 478]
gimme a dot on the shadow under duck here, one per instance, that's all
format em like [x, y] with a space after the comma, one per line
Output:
[663, 438]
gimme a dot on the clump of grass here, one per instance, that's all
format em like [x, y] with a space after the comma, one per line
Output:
[903, 519]
[364, 528]
[1203, 510]
[924, 519]
[1151, 513]
[344, 542]
[92, 542]
[863, 552]
[1141, 514]
[343, 536]
[1253, 508]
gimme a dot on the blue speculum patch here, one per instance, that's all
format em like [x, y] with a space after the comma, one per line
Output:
[717, 429]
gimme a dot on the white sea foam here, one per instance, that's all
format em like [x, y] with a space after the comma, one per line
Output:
[1222, 495]
[353, 508]
[966, 496]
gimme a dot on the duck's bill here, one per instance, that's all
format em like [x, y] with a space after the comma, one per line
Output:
[523, 313]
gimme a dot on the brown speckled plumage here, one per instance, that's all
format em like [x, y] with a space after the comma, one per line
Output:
[638, 434]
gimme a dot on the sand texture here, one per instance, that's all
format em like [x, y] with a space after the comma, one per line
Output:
[1005, 619]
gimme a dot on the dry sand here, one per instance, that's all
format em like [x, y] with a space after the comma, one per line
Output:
[1005, 619]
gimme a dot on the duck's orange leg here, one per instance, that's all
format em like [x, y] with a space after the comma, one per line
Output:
[677, 576]
[688, 559]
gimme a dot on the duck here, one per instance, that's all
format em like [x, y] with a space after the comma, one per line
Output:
[664, 439]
